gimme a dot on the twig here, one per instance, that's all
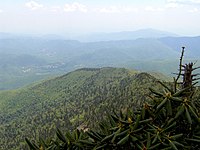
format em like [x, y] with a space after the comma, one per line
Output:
[180, 69]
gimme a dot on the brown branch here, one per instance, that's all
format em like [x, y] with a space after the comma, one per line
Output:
[195, 79]
[195, 74]
[180, 68]
[195, 68]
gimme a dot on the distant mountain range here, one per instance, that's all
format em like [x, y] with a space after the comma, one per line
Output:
[192, 44]
[25, 58]
[125, 35]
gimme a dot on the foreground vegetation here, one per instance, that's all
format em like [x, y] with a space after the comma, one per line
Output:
[169, 121]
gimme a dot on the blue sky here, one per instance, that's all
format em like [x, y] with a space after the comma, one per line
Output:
[69, 17]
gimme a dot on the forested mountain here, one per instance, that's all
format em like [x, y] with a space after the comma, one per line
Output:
[77, 99]
[25, 59]
[168, 120]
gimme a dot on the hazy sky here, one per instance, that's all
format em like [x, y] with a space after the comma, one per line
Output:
[83, 16]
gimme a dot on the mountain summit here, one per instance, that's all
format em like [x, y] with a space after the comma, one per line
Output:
[77, 98]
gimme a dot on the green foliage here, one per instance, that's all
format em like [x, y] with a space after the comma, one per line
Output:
[170, 120]
[78, 99]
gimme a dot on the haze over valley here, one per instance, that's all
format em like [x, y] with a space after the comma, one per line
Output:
[26, 59]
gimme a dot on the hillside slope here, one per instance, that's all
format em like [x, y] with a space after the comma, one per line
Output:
[77, 98]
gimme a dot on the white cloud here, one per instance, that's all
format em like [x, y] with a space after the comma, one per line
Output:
[111, 9]
[55, 8]
[129, 9]
[194, 10]
[33, 5]
[117, 9]
[183, 2]
[195, 1]
[174, 1]
[172, 5]
[1, 10]
[75, 7]
[152, 9]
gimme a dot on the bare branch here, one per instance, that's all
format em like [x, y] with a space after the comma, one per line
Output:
[195, 79]
[195, 68]
[195, 62]
[195, 83]
[180, 68]
[194, 75]
[178, 74]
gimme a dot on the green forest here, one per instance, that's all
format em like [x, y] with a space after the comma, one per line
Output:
[79, 98]
[169, 121]
[103, 108]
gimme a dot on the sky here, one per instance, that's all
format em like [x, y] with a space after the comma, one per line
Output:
[74, 17]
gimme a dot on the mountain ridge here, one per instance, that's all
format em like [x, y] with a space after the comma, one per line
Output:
[125, 35]
[73, 99]
[120, 35]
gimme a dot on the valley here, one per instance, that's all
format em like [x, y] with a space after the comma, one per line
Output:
[26, 59]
